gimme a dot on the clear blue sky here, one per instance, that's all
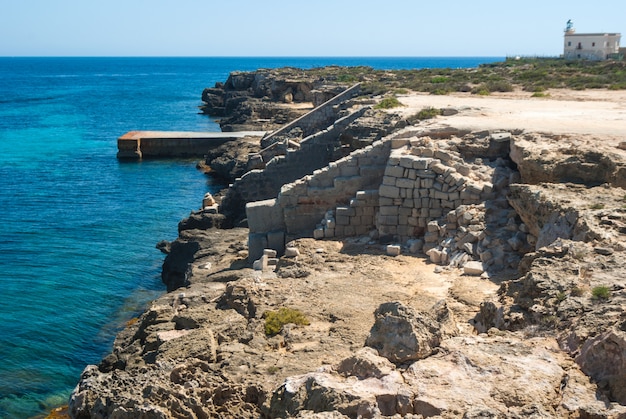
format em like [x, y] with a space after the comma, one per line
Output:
[298, 28]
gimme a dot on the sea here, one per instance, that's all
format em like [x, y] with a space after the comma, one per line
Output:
[78, 228]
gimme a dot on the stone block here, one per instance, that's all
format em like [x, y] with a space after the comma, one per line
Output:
[447, 204]
[443, 155]
[435, 212]
[394, 171]
[431, 237]
[348, 183]
[393, 250]
[276, 242]
[473, 268]
[435, 255]
[329, 233]
[435, 203]
[349, 231]
[440, 195]
[292, 252]
[368, 211]
[389, 191]
[399, 142]
[407, 161]
[342, 220]
[433, 227]
[405, 183]
[438, 168]
[426, 174]
[411, 174]
[388, 210]
[348, 170]
[345, 211]
[421, 163]
[318, 233]
[264, 216]
[257, 242]
[389, 180]
[388, 220]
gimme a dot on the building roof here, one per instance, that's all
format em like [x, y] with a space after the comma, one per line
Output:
[593, 34]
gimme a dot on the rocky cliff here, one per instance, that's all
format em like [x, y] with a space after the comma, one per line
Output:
[488, 281]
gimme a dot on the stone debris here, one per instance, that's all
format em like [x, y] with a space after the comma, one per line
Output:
[393, 250]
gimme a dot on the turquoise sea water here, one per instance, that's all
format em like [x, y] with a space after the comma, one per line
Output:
[78, 228]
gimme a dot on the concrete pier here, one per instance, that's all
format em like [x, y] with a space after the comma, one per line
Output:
[135, 145]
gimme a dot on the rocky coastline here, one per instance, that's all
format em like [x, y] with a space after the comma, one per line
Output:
[442, 269]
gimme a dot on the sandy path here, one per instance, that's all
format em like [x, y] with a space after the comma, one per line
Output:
[596, 112]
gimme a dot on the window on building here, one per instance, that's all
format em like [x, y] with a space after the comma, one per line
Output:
[593, 44]
[569, 44]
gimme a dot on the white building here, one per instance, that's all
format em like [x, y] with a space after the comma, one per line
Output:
[589, 46]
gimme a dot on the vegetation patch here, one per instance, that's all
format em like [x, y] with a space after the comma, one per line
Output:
[275, 320]
[427, 113]
[601, 292]
[389, 102]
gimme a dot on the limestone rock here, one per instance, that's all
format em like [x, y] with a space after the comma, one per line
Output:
[603, 358]
[401, 334]
[473, 268]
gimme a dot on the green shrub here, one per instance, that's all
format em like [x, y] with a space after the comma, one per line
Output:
[597, 206]
[439, 79]
[561, 296]
[577, 292]
[275, 320]
[481, 90]
[540, 94]
[601, 292]
[388, 103]
[428, 113]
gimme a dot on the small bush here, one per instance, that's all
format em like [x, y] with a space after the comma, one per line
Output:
[275, 320]
[601, 292]
[597, 206]
[577, 292]
[481, 90]
[428, 113]
[561, 296]
[540, 94]
[388, 103]
[439, 79]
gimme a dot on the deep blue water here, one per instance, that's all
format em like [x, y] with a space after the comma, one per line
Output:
[78, 228]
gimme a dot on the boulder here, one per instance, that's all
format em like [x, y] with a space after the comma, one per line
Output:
[603, 358]
[473, 268]
[402, 334]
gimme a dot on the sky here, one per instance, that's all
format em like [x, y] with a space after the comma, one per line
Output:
[408, 28]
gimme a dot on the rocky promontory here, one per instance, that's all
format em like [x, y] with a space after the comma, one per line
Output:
[388, 265]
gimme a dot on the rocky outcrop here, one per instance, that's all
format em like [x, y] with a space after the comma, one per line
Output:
[557, 159]
[262, 100]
